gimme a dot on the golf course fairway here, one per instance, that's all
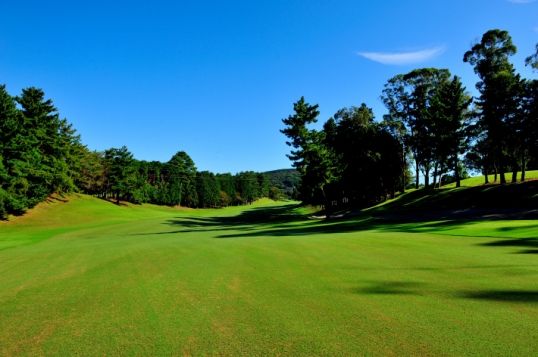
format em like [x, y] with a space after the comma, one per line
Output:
[90, 278]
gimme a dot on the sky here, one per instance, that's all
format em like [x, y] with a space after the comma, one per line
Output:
[216, 78]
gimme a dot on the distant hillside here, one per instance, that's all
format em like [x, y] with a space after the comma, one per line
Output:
[285, 179]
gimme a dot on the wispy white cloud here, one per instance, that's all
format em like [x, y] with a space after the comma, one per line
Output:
[404, 57]
[521, 1]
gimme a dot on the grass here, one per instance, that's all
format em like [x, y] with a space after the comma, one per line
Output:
[516, 195]
[479, 180]
[90, 278]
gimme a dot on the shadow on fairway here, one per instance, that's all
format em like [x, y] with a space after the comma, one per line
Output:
[527, 251]
[523, 296]
[346, 226]
[284, 221]
[516, 242]
[391, 288]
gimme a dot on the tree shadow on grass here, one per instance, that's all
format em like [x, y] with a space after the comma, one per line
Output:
[391, 288]
[516, 242]
[527, 251]
[248, 220]
[346, 226]
[282, 221]
[521, 296]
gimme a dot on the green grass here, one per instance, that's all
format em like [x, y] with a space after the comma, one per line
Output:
[514, 195]
[479, 180]
[90, 278]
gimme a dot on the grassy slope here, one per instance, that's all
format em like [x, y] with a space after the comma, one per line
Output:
[516, 195]
[145, 280]
[479, 180]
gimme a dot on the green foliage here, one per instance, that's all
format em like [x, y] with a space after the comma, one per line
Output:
[275, 194]
[449, 116]
[408, 97]
[532, 60]
[39, 151]
[287, 180]
[121, 169]
[313, 156]
[248, 187]
[208, 190]
[499, 89]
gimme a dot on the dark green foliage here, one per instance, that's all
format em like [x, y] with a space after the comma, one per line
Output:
[499, 90]
[248, 187]
[264, 184]
[314, 156]
[449, 115]
[275, 194]
[39, 151]
[121, 172]
[287, 180]
[229, 195]
[208, 189]
[353, 160]
[408, 97]
[532, 60]
[181, 180]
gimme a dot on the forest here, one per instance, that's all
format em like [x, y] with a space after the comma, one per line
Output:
[433, 128]
[41, 154]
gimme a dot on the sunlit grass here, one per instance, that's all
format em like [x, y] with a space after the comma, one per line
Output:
[479, 180]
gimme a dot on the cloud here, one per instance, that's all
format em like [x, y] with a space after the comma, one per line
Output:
[521, 1]
[403, 58]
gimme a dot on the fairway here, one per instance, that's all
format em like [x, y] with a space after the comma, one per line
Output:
[90, 278]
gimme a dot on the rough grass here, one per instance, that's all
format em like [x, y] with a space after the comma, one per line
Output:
[260, 280]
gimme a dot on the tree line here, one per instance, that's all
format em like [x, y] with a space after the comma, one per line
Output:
[41, 154]
[433, 127]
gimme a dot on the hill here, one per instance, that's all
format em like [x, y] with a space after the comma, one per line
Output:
[284, 179]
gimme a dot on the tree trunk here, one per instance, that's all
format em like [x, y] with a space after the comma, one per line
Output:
[417, 172]
[486, 174]
[403, 169]
[426, 178]
[503, 177]
[523, 165]
[435, 174]
[501, 173]
[327, 204]
[457, 171]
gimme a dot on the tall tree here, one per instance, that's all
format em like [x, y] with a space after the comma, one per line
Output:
[181, 178]
[490, 58]
[13, 149]
[313, 157]
[121, 171]
[208, 189]
[407, 98]
[449, 115]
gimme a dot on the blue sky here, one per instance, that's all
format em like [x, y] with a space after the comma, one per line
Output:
[215, 78]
